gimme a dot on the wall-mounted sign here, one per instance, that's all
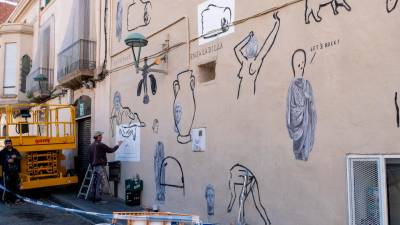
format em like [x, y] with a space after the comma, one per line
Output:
[129, 150]
[199, 139]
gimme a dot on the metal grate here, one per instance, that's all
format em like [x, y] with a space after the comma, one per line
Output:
[365, 192]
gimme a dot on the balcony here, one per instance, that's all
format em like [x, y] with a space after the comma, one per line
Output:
[39, 84]
[76, 63]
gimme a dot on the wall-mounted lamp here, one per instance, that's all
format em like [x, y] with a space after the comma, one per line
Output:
[136, 41]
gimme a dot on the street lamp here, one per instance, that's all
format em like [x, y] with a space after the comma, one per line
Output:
[136, 41]
[41, 79]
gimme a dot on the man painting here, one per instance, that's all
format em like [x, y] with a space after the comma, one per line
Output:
[98, 161]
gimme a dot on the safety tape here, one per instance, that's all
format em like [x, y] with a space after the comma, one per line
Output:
[195, 220]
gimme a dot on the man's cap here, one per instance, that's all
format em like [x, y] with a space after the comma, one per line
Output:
[7, 140]
[98, 133]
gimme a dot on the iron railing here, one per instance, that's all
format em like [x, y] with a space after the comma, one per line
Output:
[81, 55]
[43, 86]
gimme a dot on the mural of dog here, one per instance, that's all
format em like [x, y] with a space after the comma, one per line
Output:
[313, 7]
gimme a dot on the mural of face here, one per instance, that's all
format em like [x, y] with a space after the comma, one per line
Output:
[117, 101]
[155, 126]
[210, 197]
[178, 116]
[391, 5]
[298, 62]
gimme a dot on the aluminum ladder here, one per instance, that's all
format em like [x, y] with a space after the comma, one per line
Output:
[85, 186]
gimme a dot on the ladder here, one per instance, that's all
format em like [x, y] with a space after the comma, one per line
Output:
[88, 181]
[85, 187]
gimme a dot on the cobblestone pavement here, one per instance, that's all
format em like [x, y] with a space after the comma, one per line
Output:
[27, 214]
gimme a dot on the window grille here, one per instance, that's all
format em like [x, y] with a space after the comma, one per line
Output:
[365, 188]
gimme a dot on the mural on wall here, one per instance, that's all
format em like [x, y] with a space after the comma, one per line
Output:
[143, 82]
[122, 114]
[159, 174]
[301, 117]
[215, 19]
[183, 87]
[138, 14]
[210, 198]
[391, 5]
[164, 164]
[129, 150]
[241, 178]
[199, 139]
[118, 20]
[251, 58]
[155, 126]
[177, 116]
[397, 109]
[313, 7]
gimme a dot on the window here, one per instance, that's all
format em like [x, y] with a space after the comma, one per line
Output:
[26, 65]
[10, 70]
[374, 189]
[207, 72]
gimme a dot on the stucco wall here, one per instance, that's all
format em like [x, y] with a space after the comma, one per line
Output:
[354, 81]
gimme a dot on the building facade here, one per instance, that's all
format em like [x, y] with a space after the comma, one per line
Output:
[294, 100]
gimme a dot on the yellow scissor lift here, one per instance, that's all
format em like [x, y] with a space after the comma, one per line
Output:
[40, 132]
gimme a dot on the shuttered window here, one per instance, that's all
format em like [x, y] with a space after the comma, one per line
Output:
[10, 70]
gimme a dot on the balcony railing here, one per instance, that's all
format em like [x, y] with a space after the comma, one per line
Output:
[40, 88]
[80, 56]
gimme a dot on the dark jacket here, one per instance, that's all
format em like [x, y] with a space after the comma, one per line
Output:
[5, 155]
[97, 153]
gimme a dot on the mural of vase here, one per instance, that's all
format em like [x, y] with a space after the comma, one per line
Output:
[183, 88]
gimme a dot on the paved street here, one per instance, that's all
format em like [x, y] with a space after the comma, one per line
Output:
[27, 214]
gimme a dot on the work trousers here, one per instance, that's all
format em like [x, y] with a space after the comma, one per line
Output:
[11, 180]
[99, 182]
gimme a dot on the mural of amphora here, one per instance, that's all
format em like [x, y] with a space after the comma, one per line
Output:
[184, 96]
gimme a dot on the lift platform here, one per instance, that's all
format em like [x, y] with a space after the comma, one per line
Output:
[40, 132]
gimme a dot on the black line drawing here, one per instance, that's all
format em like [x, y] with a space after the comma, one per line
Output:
[122, 114]
[210, 198]
[159, 174]
[177, 116]
[301, 117]
[143, 82]
[397, 109]
[251, 60]
[118, 20]
[155, 126]
[312, 58]
[391, 5]
[164, 164]
[183, 87]
[241, 178]
[215, 20]
[128, 131]
[140, 9]
[313, 7]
